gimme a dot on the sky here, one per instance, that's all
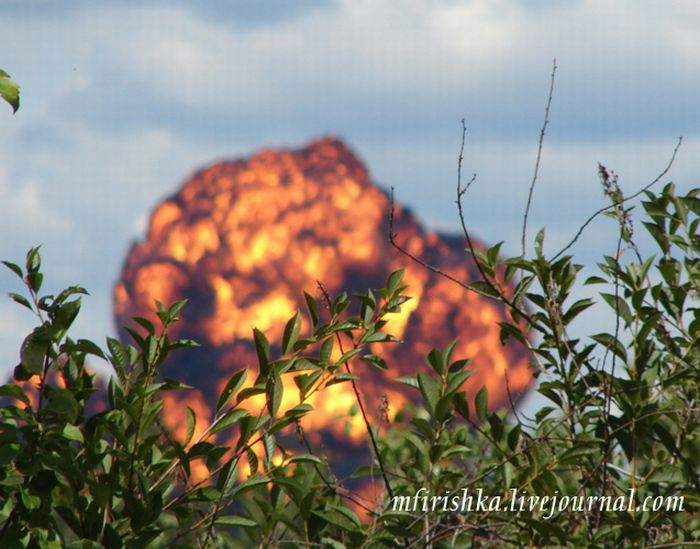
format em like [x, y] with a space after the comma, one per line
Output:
[122, 101]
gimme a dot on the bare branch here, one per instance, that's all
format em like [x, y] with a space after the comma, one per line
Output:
[392, 240]
[635, 195]
[539, 155]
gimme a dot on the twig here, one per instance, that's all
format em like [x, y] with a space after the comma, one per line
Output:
[627, 198]
[460, 193]
[609, 387]
[680, 544]
[497, 294]
[539, 154]
[334, 486]
[375, 447]
[392, 240]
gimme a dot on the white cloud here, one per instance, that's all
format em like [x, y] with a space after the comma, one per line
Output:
[23, 208]
[122, 102]
[479, 51]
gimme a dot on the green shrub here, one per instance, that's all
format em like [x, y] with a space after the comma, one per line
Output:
[623, 416]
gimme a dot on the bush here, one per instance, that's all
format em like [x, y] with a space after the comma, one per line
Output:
[622, 424]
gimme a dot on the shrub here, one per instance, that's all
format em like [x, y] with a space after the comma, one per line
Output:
[623, 420]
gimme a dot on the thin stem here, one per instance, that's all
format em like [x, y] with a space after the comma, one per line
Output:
[372, 438]
[539, 155]
[635, 195]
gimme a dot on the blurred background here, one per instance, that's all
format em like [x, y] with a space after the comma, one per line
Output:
[123, 100]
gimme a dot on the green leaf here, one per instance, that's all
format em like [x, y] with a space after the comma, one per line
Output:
[31, 502]
[248, 485]
[394, 305]
[411, 381]
[66, 315]
[21, 300]
[182, 344]
[669, 473]
[483, 288]
[252, 460]
[147, 324]
[331, 543]
[436, 361]
[393, 281]
[262, 348]
[62, 405]
[35, 279]
[542, 413]
[33, 260]
[492, 253]
[481, 403]
[610, 342]
[511, 330]
[229, 418]
[306, 381]
[291, 333]
[339, 304]
[14, 268]
[577, 308]
[461, 405]
[191, 422]
[299, 410]
[236, 521]
[338, 518]
[379, 337]
[22, 374]
[175, 309]
[430, 389]
[348, 355]
[9, 91]
[270, 446]
[455, 381]
[458, 366]
[33, 353]
[539, 241]
[376, 361]
[313, 308]
[497, 427]
[306, 458]
[326, 350]
[340, 378]
[274, 391]
[71, 432]
[117, 358]
[151, 348]
[137, 337]
[618, 305]
[227, 476]
[84, 346]
[72, 290]
[232, 385]
[514, 437]
[14, 391]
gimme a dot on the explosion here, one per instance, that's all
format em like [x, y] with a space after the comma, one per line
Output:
[242, 240]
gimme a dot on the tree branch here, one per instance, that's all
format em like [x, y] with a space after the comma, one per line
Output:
[539, 155]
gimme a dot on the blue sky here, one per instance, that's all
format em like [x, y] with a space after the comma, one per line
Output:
[121, 101]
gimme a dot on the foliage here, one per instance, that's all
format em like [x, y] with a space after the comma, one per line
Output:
[9, 90]
[623, 416]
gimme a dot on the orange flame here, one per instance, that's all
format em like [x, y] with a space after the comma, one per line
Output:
[242, 239]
